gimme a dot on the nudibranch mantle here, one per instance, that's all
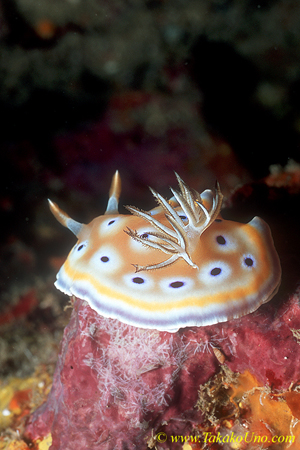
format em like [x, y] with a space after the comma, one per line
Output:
[177, 265]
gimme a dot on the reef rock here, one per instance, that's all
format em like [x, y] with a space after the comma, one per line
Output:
[114, 383]
[119, 387]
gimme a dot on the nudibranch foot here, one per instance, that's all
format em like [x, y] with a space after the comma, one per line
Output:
[216, 269]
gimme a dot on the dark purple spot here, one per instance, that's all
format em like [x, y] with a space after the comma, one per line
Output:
[111, 222]
[80, 247]
[218, 220]
[216, 271]
[104, 258]
[138, 280]
[144, 235]
[221, 240]
[249, 262]
[176, 284]
[183, 217]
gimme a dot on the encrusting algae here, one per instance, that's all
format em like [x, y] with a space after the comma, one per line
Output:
[241, 413]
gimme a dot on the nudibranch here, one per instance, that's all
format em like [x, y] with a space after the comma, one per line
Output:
[180, 264]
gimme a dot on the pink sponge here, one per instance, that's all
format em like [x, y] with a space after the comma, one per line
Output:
[116, 385]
